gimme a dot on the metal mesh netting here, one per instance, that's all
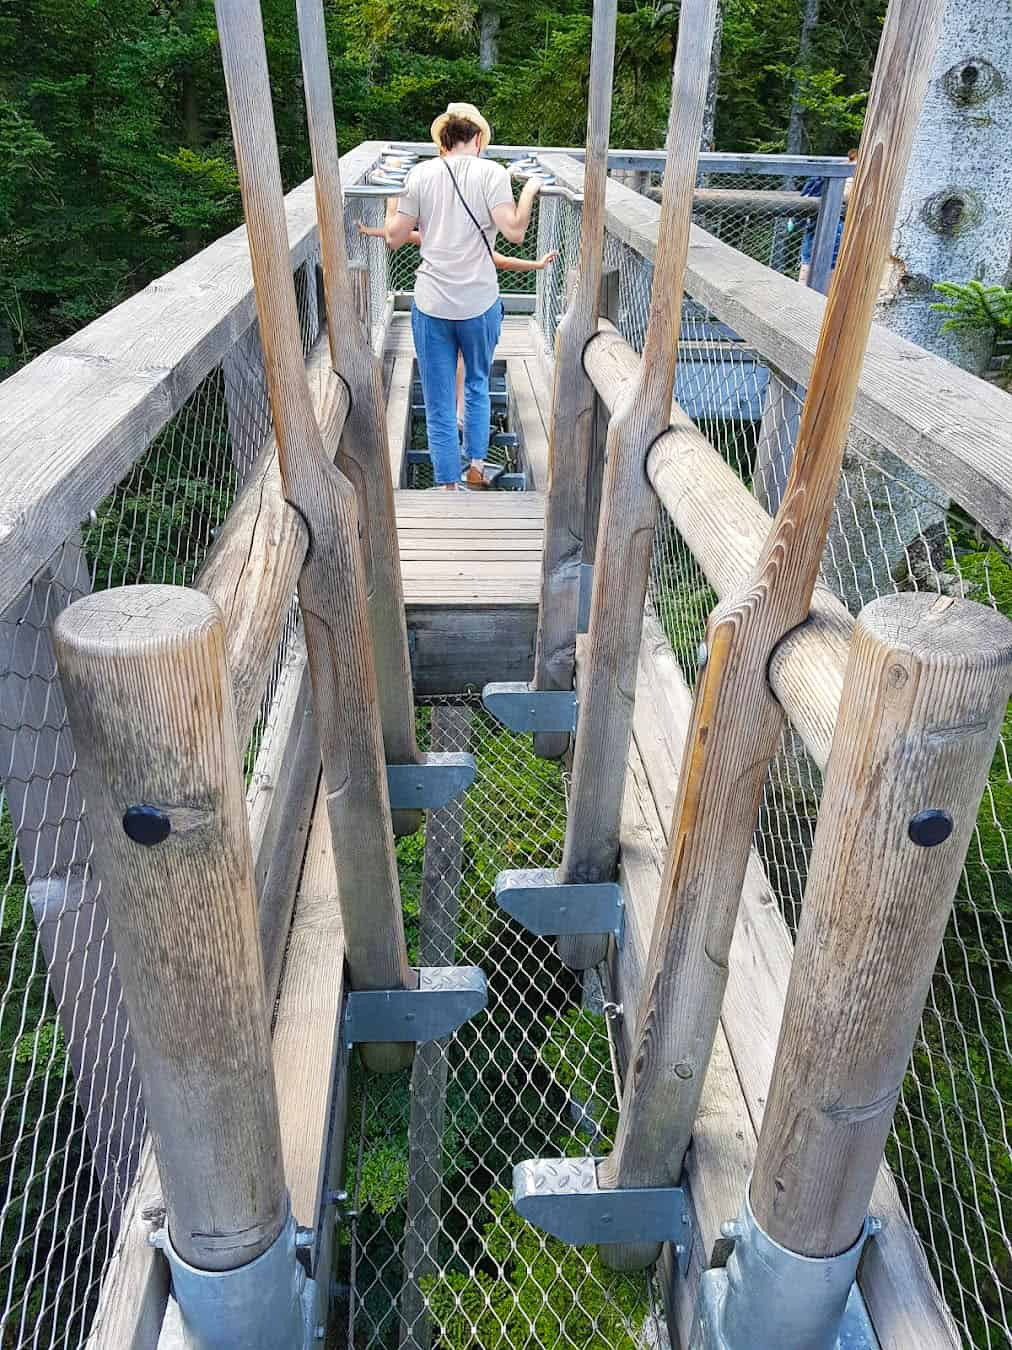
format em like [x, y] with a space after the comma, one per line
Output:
[71, 1115]
[891, 531]
[433, 1253]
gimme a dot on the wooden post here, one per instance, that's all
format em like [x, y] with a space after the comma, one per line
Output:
[629, 508]
[437, 946]
[778, 432]
[736, 723]
[571, 425]
[927, 684]
[364, 453]
[332, 585]
[149, 702]
[610, 303]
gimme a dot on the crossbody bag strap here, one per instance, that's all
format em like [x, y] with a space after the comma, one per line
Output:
[456, 188]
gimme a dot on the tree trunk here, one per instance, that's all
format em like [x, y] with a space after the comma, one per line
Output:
[706, 140]
[954, 223]
[796, 125]
[488, 37]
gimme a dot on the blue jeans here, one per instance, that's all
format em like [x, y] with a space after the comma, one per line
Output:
[437, 342]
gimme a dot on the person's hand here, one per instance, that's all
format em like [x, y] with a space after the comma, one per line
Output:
[532, 187]
[361, 228]
[547, 260]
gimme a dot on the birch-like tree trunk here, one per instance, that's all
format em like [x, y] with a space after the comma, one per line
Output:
[954, 224]
[488, 35]
[706, 140]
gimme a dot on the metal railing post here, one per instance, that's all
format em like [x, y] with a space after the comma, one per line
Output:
[826, 224]
[927, 685]
[149, 702]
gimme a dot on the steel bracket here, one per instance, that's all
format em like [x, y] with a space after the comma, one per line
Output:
[544, 905]
[264, 1304]
[446, 997]
[767, 1297]
[561, 1196]
[520, 708]
[432, 783]
[586, 594]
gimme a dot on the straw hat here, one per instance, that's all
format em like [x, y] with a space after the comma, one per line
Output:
[469, 113]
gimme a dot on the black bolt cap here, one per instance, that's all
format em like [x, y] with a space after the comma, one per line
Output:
[929, 828]
[146, 825]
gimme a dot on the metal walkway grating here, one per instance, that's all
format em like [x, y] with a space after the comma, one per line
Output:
[533, 1076]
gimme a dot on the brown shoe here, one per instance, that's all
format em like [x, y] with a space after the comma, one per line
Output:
[474, 479]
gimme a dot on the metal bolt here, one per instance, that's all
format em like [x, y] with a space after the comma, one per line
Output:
[874, 1225]
[146, 825]
[320, 1332]
[929, 828]
[702, 655]
[731, 1230]
[683, 1071]
[304, 1237]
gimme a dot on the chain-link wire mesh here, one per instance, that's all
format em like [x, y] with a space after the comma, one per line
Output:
[434, 1254]
[891, 531]
[71, 1115]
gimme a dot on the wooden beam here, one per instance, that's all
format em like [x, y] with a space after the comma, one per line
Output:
[144, 672]
[399, 416]
[719, 794]
[120, 380]
[927, 686]
[949, 426]
[898, 1287]
[725, 528]
[629, 507]
[364, 454]
[332, 584]
[571, 425]
[308, 1025]
[135, 1283]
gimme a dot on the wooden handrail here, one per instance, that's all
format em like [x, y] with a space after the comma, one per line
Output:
[951, 427]
[75, 419]
[725, 528]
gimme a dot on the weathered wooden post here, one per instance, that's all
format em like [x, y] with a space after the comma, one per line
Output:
[736, 722]
[580, 900]
[927, 684]
[721, 784]
[332, 585]
[571, 427]
[149, 702]
[364, 453]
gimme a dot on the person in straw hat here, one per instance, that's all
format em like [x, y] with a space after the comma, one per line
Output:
[457, 202]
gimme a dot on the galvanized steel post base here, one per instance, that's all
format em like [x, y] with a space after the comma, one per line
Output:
[266, 1305]
[769, 1298]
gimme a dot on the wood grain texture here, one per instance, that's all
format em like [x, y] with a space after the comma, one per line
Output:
[364, 454]
[525, 418]
[135, 1283]
[571, 425]
[399, 416]
[725, 528]
[629, 508]
[736, 723]
[332, 585]
[307, 1025]
[927, 686]
[120, 380]
[437, 946]
[148, 696]
[897, 1285]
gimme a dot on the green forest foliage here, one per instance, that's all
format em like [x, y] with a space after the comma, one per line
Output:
[115, 150]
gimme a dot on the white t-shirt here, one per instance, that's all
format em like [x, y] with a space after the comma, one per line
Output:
[456, 278]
